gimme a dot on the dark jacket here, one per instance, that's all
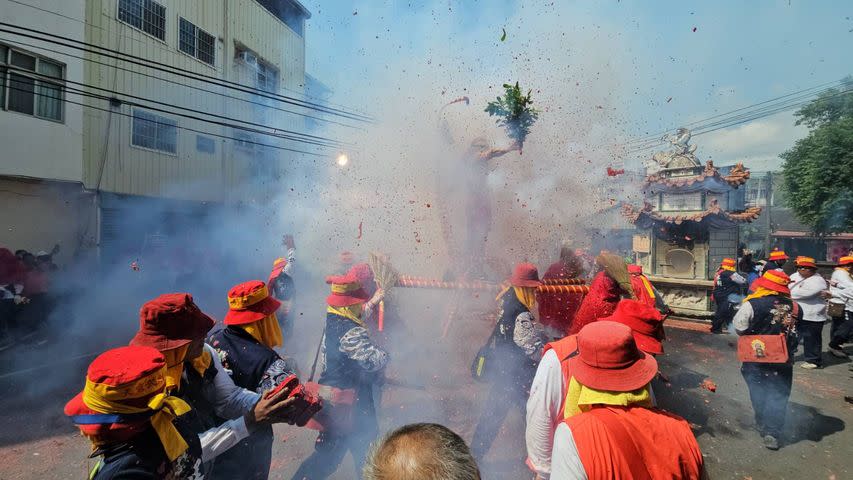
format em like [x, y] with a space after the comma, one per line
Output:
[769, 316]
[511, 362]
[143, 457]
[255, 367]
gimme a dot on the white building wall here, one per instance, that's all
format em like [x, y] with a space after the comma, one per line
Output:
[35, 147]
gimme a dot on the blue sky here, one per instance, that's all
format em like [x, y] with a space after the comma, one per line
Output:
[625, 58]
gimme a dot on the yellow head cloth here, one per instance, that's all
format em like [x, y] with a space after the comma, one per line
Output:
[581, 398]
[727, 267]
[175, 364]
[352, 312]
[760, 292]
[105, 398]
[525, 295]
[266, 331]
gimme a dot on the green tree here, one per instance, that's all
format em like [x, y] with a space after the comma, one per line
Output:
[818, 170]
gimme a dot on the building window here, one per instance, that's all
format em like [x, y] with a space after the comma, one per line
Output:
[196, 42]
[146, 15]
[154, 132]
[246, 141]
[266, 76]
[205, 144]
[31, 85]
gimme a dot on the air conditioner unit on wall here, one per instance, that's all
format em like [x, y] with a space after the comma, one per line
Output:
[249, 58]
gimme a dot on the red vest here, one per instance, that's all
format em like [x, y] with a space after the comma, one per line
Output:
[635, 443]
[564, 348]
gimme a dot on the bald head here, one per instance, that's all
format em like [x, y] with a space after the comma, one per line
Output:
[421, 451]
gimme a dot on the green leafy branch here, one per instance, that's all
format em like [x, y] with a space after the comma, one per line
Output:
[515, 112]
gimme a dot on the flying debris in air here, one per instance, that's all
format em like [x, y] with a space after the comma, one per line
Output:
[359, 230]
[134, 265]
[503, 37]
[614, 172]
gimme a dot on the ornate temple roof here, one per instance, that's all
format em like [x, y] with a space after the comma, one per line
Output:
[713, 216]
[735, 178]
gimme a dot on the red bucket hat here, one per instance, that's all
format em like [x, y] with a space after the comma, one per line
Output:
[635, 269]
[609, 359]
[346, 291]
[119, 367]
[778, 255]
[644, 322]
[277, 267]
[525, 275]
[249, 302]
[775, 280]
[170, 321]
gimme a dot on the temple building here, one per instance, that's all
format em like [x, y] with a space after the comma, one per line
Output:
[688, 223]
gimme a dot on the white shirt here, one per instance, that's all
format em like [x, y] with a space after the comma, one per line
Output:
[566, 461]
[543, 413]
[842, 288]
[806, 292]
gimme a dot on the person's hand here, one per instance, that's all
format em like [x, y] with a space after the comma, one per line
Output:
[268, 408]
[826, 294]
[287, 240]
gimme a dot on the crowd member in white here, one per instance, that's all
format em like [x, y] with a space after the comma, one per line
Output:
[841, 291]
[546, 406]
[807, 289]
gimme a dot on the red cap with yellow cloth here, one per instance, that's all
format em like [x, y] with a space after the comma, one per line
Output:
[277, 268]
[170, 321]
[844, 261]
[774, 280]
[346, 291]
[806, 262]
[778, 255]
[635, 269]
[250, 302]
[125, 393]
[525, 275]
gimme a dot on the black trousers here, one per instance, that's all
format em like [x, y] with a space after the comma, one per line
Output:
[812, 334]
[723, 315]
[505, 395]
[769, 389]
[331, 447]
[842, 331]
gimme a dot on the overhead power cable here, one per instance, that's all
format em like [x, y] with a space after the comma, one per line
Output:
[823, 86]
[288, 134]
[179, 127]
[745, 119]
[173, 82]
[181, 72]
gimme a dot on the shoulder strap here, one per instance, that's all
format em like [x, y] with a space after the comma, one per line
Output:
[619, 431]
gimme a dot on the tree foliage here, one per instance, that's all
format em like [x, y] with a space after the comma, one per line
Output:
[514, 111]
[818, 170]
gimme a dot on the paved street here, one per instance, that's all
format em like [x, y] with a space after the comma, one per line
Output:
[37, 442]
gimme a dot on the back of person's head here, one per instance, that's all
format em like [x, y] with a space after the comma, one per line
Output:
[421, 451]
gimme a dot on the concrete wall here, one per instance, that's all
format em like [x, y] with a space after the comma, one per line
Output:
[112, 164]
[721, 244]
[38, 215]
[36, 147]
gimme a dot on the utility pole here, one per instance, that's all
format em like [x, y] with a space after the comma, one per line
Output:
[768, 203]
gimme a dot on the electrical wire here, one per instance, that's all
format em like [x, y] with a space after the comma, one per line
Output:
[179, 127]
[697, 122]
[314, 140]
[173, 82]
[743, 118]
[181, 72]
